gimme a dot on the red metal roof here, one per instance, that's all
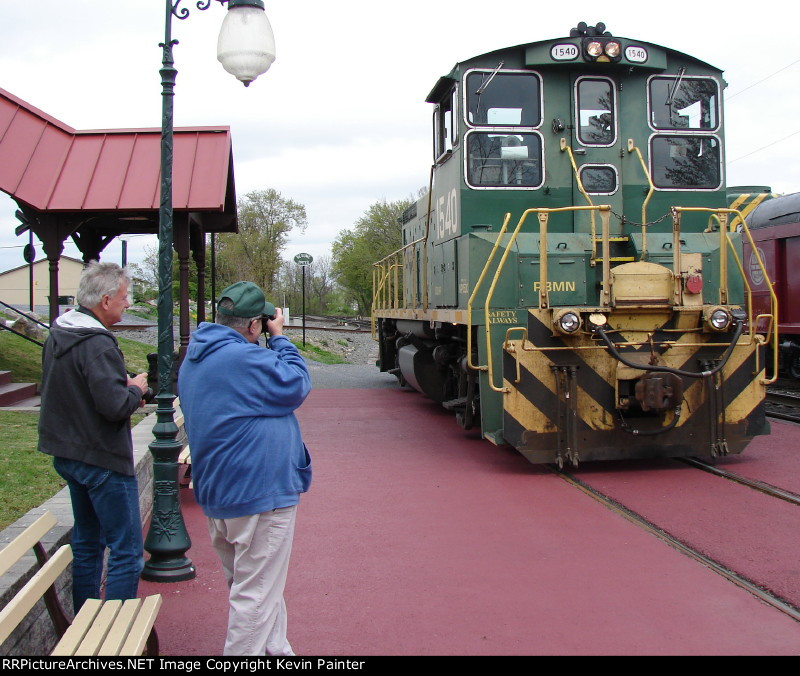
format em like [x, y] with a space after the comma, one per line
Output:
[53, 167]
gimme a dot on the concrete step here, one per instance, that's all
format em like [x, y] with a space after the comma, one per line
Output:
[11, 393]
[30, 402]
[5, 377]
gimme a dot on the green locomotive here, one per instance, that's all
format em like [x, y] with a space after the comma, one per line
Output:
[572, 281]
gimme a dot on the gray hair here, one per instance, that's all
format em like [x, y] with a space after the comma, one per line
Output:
[98, 280]
[231, 321]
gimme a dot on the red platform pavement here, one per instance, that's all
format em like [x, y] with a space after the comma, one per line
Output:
[418, 538]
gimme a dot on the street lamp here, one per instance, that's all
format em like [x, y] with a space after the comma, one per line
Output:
[246, 48]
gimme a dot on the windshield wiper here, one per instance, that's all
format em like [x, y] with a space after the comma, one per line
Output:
[485, 83]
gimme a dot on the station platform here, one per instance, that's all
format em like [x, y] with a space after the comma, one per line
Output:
[418, 538]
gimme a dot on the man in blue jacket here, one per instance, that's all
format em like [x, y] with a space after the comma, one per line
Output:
[249, 463]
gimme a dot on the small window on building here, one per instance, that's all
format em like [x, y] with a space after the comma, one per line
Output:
[596, 124]
[504, 159]
[686, 162]
[599, 180]
[683, 103]
[500, 99]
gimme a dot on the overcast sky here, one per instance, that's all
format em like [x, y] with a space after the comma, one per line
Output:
[340, 120]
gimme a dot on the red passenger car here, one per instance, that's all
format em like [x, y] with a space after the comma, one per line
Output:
[775, 227]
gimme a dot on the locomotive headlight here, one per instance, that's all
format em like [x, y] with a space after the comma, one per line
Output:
[567, 321]
[594, 48]
[612, 49]
[719, 319]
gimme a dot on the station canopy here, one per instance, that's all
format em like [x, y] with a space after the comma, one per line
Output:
[97, 184]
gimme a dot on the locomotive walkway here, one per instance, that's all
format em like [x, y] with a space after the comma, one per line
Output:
[418, 538]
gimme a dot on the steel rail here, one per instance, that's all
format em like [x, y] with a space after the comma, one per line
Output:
[773, 600]
[783, 400]
[762, 486]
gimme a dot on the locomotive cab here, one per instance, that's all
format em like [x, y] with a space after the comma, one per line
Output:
[571, 281]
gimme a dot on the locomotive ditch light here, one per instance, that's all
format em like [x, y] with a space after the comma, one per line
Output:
[567, 321]
[719, 319]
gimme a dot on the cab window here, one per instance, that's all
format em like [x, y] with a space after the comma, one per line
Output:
[499, 99]
[444, 131]
[683, 103]
[686, 162]
[599, 179]
[596, 123]
[504, 159]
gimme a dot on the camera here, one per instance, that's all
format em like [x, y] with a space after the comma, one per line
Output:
[264, 320]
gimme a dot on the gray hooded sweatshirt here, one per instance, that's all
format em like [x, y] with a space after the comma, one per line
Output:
[86, 400]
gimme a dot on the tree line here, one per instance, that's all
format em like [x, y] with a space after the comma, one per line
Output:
[336, 284]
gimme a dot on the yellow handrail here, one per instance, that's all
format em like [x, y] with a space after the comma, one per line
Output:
[475, 293]
[773, 324]
[605, 214]
[633, 148]
[564, 147]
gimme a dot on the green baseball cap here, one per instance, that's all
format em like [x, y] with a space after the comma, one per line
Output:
[248, 301]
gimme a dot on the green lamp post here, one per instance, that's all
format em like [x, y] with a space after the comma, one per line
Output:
[246, 49]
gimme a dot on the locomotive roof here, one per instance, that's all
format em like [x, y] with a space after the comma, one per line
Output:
[482, 60]
[778, 211]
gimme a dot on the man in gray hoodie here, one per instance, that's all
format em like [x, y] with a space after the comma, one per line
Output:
[87, 402]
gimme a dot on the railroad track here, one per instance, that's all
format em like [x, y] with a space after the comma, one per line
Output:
[331, 323]
[762, 486]
[783, 403]
[773, 600]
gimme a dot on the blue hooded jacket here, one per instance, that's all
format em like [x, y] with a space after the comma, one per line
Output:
[238, 402]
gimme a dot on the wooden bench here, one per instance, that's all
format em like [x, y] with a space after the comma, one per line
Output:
[185, 457]
[100, 628]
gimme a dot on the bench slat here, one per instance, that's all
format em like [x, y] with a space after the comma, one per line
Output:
[178, 415]
[26, 598]
[121, 628]
[137, 638]
[77, 630]
[99, 630]
[17, 548]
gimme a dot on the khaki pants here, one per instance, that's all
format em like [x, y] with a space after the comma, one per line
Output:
[254, 551]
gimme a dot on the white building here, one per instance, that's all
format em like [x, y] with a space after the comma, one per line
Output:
[15, 283]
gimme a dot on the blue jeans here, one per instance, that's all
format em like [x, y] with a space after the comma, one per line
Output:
[106, 509]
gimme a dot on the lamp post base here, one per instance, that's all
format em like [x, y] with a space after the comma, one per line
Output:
[167, 540]
[169, 570]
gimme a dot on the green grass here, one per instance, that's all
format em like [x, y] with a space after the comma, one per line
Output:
[24, 359]
[28, 476]
[317, 353]
[21, 357]
[135, 354]
[143, 314]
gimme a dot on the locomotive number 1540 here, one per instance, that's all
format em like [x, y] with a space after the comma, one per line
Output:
[447, 215]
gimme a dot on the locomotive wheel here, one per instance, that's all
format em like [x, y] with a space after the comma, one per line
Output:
[794, 365]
